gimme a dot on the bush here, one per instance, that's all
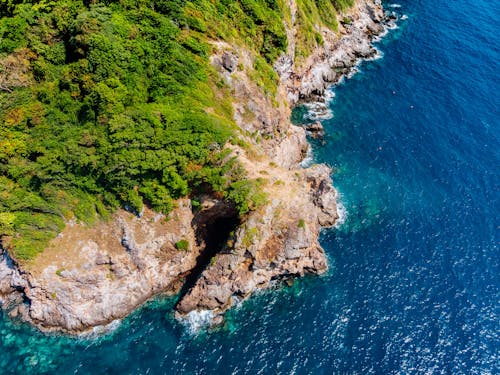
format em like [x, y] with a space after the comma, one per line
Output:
[247, 195]
[59, 272]
[301, 224]
[182, 245]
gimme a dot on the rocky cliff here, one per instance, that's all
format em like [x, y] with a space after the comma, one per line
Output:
[281, 239]
[91, 276]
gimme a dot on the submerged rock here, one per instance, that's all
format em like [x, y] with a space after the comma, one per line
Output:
[315, 130]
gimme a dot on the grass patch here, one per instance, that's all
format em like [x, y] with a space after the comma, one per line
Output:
[182, 245]
[250, 236]
[301, 224]
[60, 271]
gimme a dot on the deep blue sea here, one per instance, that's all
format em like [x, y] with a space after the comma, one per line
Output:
[413, 286]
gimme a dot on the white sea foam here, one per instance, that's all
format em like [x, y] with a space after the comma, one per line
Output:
[404, 17]
[320, 110]
[106, 329]
[197, 320]
[317, 111]
[354, 70]
[341, 80]
[329, 95]
[308, 160]
[380, 36]
[378, 55]
[393, 26]
[341, 212]
[395, 5]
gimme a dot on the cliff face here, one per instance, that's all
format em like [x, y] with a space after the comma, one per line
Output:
[281, 239]
[339, 54]
[90, 276]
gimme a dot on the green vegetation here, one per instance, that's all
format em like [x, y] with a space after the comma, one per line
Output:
[114, 103]
[250, 236]
[301, 224]
[248, 195]
[343, 5]
[265, 76]
[278, 183]
[182, 245]
[313, 14]
[60, 271]
[346, 20]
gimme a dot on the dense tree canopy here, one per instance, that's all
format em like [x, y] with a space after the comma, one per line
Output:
[104, 104]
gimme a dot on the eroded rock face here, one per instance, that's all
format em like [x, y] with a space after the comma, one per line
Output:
[92, 276]
[338, 56]
[9, 278]
[280, 240]
[229, 62]
[315, 130]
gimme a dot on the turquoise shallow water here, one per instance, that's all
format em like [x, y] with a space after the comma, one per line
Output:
[414, 279]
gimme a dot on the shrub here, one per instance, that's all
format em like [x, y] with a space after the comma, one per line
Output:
[60, 271]
[250, 236]
[212, 261]
[182, 245]
[247, 195]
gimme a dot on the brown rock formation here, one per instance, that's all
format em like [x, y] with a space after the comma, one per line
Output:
[280, 240]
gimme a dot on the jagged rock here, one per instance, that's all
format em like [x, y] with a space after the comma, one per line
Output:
[97, 280]
[366, 20]
[6, 276]
[392, 16]
[315, 130]
[284, 65]
[277, 241]
[229, 62]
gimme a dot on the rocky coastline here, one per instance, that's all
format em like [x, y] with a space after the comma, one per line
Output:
[208, 255]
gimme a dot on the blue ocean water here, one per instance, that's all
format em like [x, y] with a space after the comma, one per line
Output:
[414, 281]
